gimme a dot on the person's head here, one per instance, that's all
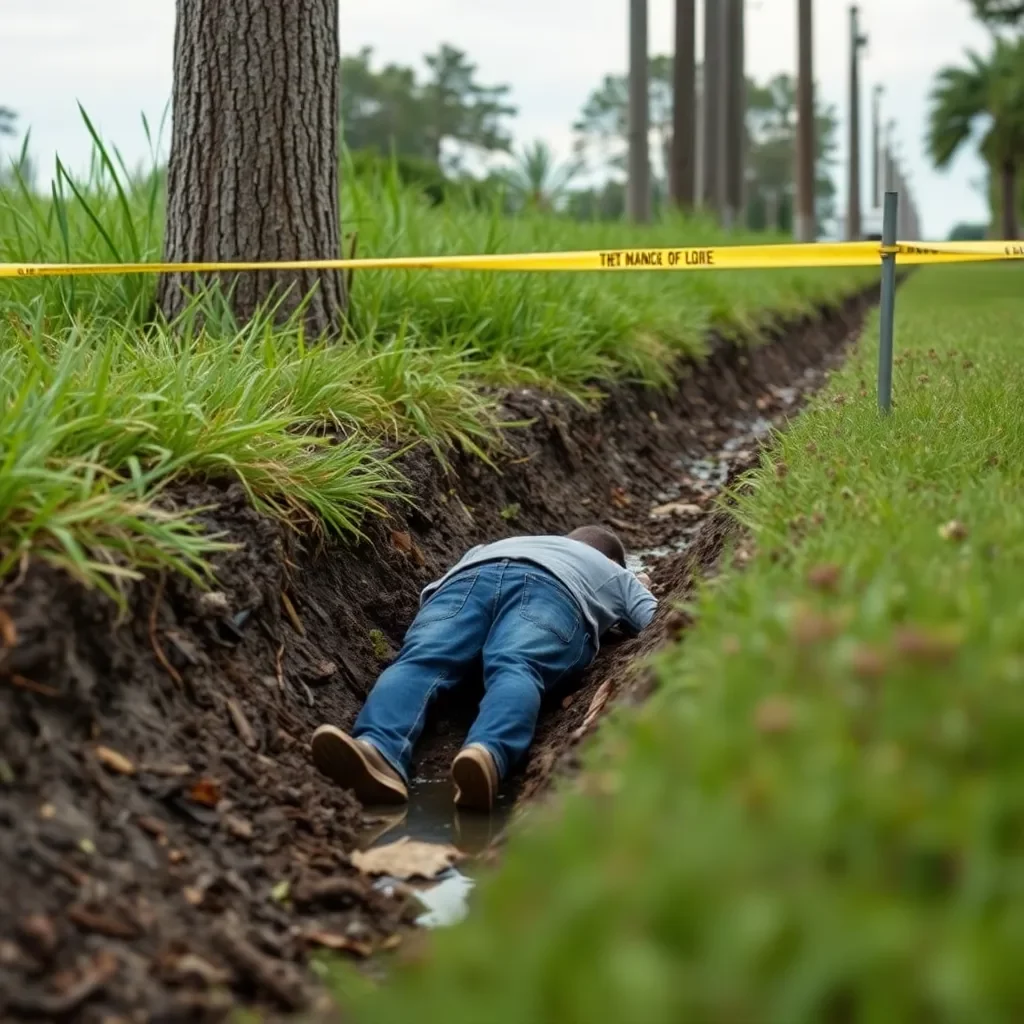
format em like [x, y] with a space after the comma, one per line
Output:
[604, 540]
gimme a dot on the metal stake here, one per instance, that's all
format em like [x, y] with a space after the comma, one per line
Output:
[887, 306]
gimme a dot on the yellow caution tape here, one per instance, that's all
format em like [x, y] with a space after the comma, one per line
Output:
[716, 257]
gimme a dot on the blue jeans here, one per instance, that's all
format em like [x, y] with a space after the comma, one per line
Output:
[530, 634]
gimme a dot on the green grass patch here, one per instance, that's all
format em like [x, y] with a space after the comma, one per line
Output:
[102, 407]
[819, 816]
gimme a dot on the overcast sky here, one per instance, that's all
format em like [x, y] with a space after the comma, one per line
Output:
[114, 56]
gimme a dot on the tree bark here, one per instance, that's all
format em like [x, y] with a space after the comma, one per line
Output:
[684, 107]
[253, 172]
[1008, 179]
[805, 217]
[638, 185]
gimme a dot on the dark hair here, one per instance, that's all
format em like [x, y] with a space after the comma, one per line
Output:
[604, 540]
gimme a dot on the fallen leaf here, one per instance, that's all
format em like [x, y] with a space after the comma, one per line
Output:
[676, 508]
[114, 761]
[953, 530]
[341, 943]
[238, 827]
[194, 896]
[214, 605]
[153, 826]
[280, 891]
[205, 791]
[774, 715]
[406, 858]
[8, 632]
[401, 541]
[825, 576]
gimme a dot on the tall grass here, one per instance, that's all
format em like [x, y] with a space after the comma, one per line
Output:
[102, 406]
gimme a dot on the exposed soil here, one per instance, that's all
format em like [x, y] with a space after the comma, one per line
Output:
[167, 852]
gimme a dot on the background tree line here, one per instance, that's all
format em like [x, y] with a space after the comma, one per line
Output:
[434, 124]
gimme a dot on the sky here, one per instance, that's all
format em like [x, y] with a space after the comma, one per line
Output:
[115, 58]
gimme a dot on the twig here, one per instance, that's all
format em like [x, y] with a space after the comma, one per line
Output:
[293, 615]
[280, 668]
[100, 971]
[30, 684]
[157, 649]
[276, 977]
[242, 726]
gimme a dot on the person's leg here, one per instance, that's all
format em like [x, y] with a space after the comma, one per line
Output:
[444, 640]
[538, 638]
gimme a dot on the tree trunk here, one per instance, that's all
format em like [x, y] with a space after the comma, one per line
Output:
[253, 172]
[684, 107]
[638, 184]
[1008, 179]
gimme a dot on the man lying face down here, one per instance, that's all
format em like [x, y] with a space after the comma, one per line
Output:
[533, 609]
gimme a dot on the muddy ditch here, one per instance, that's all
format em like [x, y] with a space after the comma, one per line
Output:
[167, 853]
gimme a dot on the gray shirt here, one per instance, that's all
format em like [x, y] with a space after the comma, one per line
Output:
[607, 594]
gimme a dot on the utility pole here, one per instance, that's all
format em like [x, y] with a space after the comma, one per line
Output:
[888, 162]
[805, 220]
[857, 41]
[684, 106]
[712, 103]
[876, 147]
[735, 110]
[639, 186]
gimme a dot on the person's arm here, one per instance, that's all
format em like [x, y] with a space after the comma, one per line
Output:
[639, 604]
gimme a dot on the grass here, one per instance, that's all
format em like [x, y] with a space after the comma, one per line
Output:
[819, 816]
[103, 407]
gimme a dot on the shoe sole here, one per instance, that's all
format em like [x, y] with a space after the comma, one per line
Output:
[473, 785]
[343, 761]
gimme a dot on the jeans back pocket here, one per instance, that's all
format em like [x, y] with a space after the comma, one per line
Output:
[447, 602]
[549, 607]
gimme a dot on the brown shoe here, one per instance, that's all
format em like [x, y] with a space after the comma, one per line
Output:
[476, 778]
[358, 765]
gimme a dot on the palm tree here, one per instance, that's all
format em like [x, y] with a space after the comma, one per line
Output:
[537, 180]
[988, 93]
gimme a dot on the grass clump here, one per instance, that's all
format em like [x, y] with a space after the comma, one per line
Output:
[818, 816]
[102, 407]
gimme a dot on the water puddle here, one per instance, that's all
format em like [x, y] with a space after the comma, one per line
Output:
[431, 817]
